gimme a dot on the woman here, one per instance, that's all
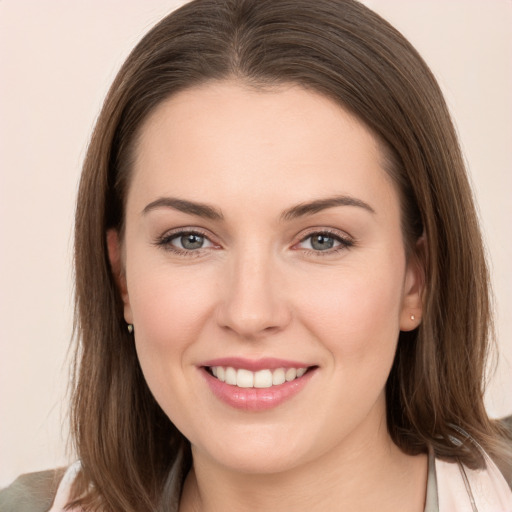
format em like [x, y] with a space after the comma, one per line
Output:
[281, 290]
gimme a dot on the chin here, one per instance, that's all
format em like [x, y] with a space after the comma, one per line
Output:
[258, 463]
[256, 453]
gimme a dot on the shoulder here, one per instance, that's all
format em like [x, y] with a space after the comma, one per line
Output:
[462, 488]
[33, 492]
[505, 465]
[507, 422]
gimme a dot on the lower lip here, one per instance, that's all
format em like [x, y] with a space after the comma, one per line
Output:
[256, 399]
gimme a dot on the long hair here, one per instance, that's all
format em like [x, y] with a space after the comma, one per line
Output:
[342, 50]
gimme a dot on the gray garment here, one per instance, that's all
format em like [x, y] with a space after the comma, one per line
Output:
[33, 492]
[431, 500]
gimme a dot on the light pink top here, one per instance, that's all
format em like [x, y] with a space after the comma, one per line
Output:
[461, 489]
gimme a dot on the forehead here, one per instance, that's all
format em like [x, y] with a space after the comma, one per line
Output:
[225, 140]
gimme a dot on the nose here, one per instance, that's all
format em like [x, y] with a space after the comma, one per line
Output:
[253, 302]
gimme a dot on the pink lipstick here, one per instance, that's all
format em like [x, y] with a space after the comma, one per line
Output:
[256, 385]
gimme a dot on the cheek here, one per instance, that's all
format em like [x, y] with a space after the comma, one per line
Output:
[169, 309]
[357, 315]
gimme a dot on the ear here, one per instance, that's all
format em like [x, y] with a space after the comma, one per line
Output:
[116, 263]
[414, 287]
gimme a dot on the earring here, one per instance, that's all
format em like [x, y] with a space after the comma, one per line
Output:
[413, 317]
[130, 328]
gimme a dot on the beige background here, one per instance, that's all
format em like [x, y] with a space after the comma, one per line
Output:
[57, 58]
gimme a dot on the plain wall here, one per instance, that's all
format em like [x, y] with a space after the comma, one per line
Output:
[57, 59]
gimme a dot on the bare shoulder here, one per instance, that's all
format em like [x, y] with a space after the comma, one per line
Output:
[32, 492]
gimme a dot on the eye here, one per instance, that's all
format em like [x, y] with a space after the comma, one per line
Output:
[185, 242]
[325, 242]
[190, 241]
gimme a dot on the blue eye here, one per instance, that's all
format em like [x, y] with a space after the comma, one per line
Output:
[189, 241]
[325, 242]
[322, 242]
[184, 242]
[192, 242]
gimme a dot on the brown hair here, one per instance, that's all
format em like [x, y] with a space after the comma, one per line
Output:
[343, 50]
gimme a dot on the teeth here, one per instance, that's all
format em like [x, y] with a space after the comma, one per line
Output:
[244, 379]
[291, 374]
[261, 379]
[300, 372]
[230, 376]
[278, 377]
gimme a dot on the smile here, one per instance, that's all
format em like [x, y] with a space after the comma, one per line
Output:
[256, 385]
[265, 378]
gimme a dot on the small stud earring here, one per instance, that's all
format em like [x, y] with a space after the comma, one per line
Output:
[130, 328]
[413, 317]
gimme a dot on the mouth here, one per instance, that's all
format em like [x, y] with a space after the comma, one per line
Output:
[256, 385]
[265, 378]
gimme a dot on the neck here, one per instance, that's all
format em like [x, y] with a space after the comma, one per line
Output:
[364, 473]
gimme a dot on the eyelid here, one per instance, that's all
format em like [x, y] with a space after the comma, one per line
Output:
[345, 241]
[335, 233]
[167, 237]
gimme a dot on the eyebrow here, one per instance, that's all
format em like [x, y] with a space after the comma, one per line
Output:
[318, 205]
[190, 207]
[299, 210]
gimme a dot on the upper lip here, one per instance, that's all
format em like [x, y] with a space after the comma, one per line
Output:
[265, 363]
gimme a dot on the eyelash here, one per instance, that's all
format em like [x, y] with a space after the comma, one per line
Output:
[344, 242]
[165, 242]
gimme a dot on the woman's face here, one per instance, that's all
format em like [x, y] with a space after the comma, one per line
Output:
[263, 237]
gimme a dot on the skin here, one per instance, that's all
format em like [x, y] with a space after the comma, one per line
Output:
[258, 288]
